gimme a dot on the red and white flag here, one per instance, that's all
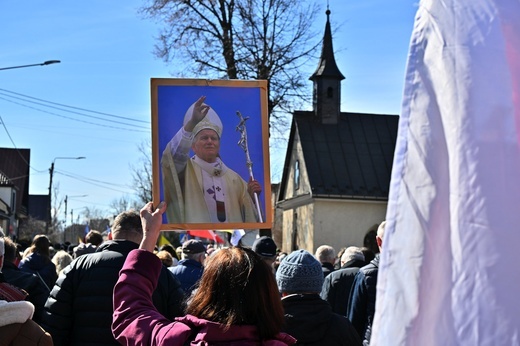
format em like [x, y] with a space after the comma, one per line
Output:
[450, 266]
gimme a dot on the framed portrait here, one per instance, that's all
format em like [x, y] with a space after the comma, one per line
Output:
[210, 147]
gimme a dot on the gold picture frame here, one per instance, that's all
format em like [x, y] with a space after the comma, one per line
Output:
[237, 103]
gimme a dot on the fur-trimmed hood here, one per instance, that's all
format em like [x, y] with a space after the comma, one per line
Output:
[15, 312]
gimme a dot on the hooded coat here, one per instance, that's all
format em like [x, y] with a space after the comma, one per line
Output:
[17, 328]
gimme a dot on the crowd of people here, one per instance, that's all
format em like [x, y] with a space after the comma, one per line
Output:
[128, 291]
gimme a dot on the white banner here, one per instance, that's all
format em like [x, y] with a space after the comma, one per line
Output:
[450, 265]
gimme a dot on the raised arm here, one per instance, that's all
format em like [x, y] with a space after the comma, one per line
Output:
[136, 321]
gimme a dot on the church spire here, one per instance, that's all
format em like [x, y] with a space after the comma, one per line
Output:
[327, 66]
[327, 81]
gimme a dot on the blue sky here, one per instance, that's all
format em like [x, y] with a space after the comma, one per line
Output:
[105, 49]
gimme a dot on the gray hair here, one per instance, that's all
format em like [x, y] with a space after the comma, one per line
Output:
[325, 253]
[193, 256]
[352, 253]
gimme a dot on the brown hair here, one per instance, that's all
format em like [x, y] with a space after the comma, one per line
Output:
[126, 223]
[94, 237]
[10, 250]
[238, 288]
[41, 244]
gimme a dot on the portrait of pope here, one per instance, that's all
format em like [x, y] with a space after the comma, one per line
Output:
[203, 175]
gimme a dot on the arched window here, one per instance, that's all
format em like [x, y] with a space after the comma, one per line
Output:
[330, 92]
[296, 174]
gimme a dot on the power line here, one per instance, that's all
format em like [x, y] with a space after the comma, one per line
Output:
[72, 107]
[74, 119]
[94, 180]
[90, 182]
[64, 110]
[14, 145]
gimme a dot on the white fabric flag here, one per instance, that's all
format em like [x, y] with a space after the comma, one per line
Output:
[237, 235]
[450, 265]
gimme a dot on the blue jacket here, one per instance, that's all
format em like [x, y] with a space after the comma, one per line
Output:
[188, 272]
[362, 301]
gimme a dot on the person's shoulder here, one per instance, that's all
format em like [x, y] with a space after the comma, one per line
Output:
[32, 333]
[190, 263]
[343, 328]
[16, 275]
[341, 273]
[339, 319]
[370, 267]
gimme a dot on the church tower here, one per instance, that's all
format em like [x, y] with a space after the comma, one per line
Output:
[326, 98]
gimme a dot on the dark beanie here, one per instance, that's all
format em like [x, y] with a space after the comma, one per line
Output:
[300, 271]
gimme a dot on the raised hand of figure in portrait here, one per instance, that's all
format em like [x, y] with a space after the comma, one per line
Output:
[200, 110]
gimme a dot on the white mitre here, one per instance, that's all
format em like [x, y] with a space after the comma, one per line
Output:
[211, 121]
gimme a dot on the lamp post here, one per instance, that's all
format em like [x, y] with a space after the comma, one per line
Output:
[51, 171]
[48, 62]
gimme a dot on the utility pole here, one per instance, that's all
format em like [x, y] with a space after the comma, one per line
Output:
[66, 199]
[49, 206]
[51, 172]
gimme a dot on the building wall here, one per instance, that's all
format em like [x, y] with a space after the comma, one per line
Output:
[342, 223]
[304, 186]
[336, 222]
[298, 228]
[304, 213]
[329, 107]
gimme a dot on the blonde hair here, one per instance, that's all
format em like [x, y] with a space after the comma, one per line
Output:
[61, 259]
[165, 257]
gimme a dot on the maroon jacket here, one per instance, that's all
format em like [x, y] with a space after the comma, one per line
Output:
[136, 321]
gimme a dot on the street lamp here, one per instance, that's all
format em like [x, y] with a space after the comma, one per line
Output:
[51, 171]
[48, 62]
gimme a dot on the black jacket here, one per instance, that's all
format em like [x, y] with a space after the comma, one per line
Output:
[337, 285]
[41, 266]
[79, 308]
[326, 268]
[362, 301]
[31, 283]
[311, 321]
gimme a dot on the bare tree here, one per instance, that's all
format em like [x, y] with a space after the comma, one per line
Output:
[91, 213]
[122, 204]
[29, 228]
[142, 173]
[240, 39]
[56, 225]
